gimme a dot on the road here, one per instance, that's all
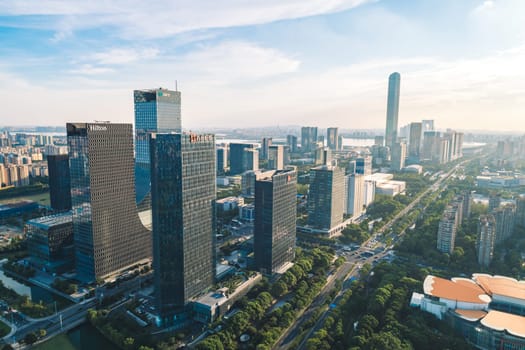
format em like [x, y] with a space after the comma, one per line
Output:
[355, 257]
[52, 324]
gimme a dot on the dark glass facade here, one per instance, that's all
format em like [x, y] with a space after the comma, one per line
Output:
[50, 242]
[238, 163]
[308, 138]
[59, 182]
[183, 204]
[108, 233]
[156, 110]
[275, 215]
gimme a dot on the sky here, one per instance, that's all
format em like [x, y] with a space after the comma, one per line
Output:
[246, 63]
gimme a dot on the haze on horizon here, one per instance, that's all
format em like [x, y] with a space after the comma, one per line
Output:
[241, 64]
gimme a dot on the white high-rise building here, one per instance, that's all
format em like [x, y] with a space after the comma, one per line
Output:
[354, 194]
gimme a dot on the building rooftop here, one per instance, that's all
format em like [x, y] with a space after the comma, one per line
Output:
[20, 204]
[227, 200]
[502, 321]
[459, 289]
[501, 285]
[46, 222]
[471, 315]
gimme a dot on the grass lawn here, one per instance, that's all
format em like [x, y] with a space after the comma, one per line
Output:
[4, 329]
[40, 198]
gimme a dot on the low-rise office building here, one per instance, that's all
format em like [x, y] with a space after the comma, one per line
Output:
[489, 311]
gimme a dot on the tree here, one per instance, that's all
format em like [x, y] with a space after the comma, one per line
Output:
[30, 338]
[279, 289]
[129, 342]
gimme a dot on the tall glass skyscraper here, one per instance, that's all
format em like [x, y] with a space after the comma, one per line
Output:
[308, 138]
[156, 110]
[107, 231]
[275, 215]
[326, 196]
[183, 193]
[59, 182]
[392, 109]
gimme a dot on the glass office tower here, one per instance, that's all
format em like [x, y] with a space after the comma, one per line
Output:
[59, 182]
[183, 191]
[392, 109]
[275, 215]
[108, 233]
[156, 110]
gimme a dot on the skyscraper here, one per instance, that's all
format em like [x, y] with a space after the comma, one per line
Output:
[326, 195]
[276, 157]
[59, 182]
[222, 160]
[486, 239]
[392, 109]
[156, 110]
[183, 204]
[505, 219]
[275, 214]
[265, 145]
[332, 138]
[308, 138]
[447, 228]
[291, 141]
[107, 231]
[399, 153]
[414, 141]
[238, 159]
[354, 194]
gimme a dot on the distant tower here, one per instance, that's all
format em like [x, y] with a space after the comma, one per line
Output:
[308, 138]
[183, 204]
[392, 109]
[265, 145]
[276, 157]
[414, 141]
[399, 153]
[486, 239]
[240, 161]
[332, 138]
[156, 110]
[354, 194]
[326, 197]
[109, 236]
[275, 215]
[291, 141]
[447, 228]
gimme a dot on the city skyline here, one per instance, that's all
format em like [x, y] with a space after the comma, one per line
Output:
[266, 60]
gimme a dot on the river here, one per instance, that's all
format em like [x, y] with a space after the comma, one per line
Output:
[84, 337]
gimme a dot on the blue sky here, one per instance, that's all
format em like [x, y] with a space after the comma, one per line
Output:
[260, 63]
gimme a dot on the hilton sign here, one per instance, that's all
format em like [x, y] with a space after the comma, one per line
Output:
[98, 127]
[200, 138]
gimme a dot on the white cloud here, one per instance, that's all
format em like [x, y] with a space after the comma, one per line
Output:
[235, 61]
[155, 19]
[229, 91]
[123, 55]
[484, 6]
[88, 69]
